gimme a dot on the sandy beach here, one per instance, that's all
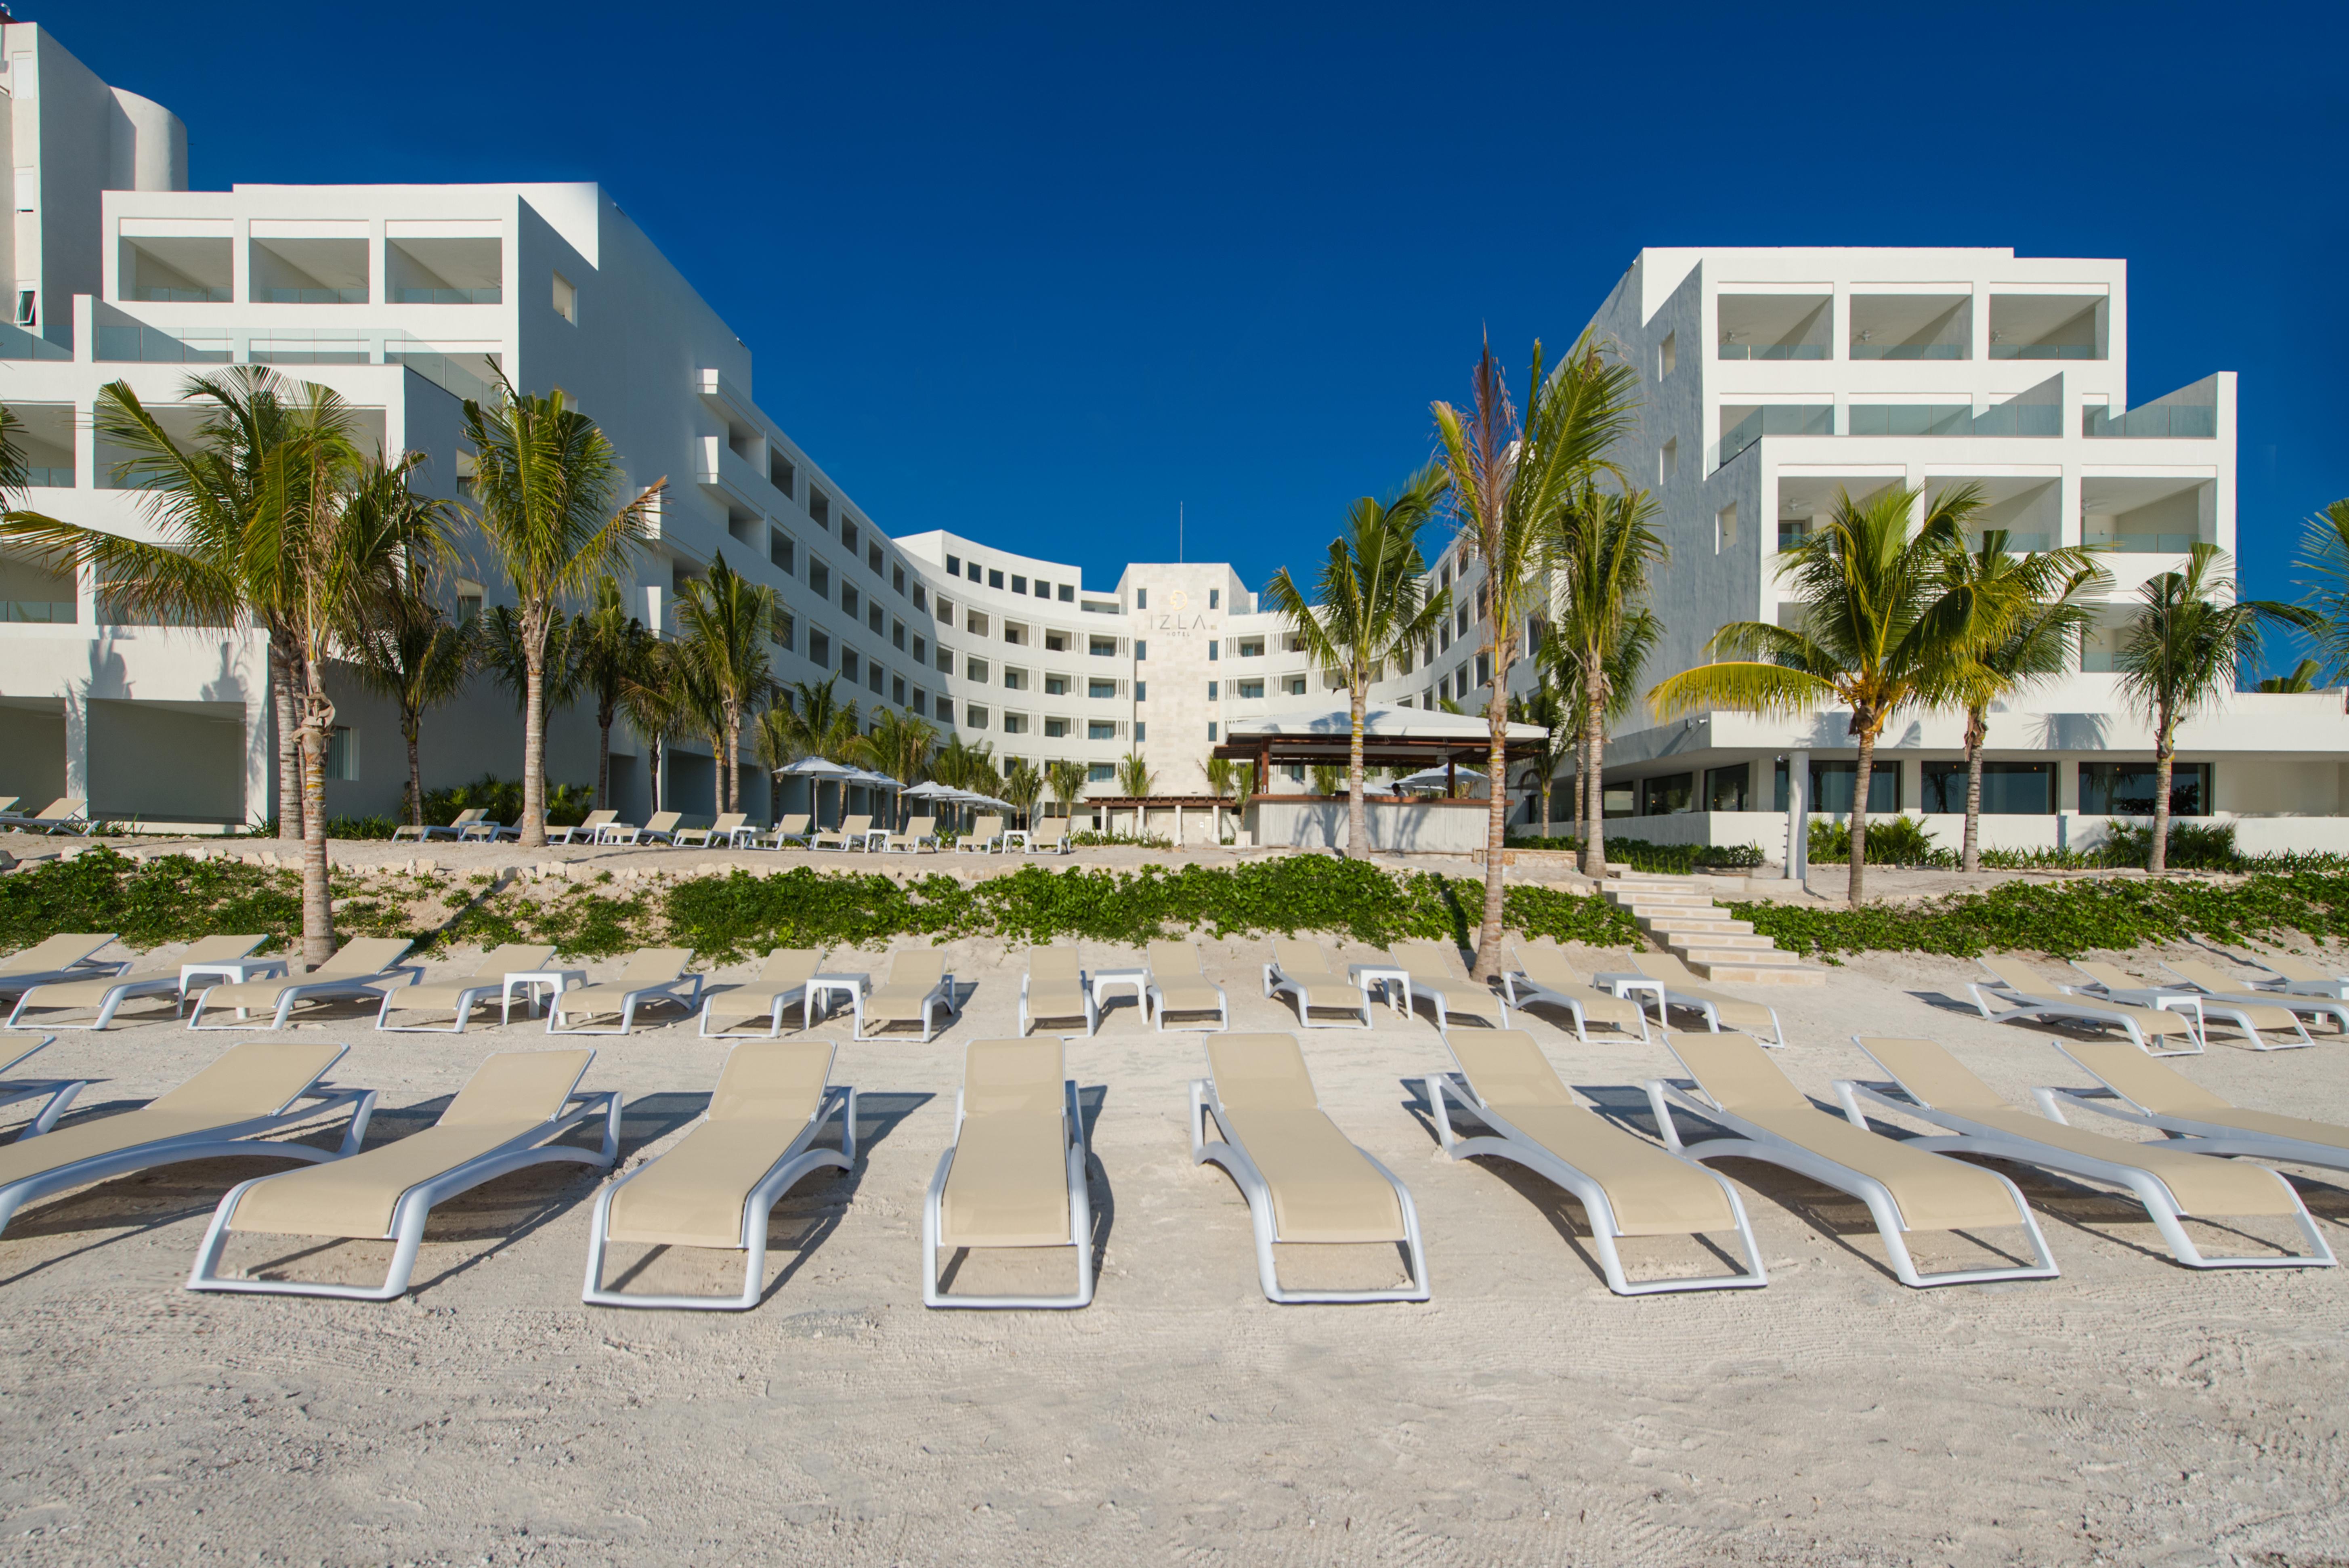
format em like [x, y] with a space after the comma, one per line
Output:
[2131, 1411]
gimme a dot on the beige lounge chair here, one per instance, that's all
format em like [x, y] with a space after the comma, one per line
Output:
[1904, 1189]
[1674, 984]
[2115, 984]
[2165, 1099]
[105, 995]
[1305, 1182]
[55, 1094]
[1544, 975]
[1935, 1087]
[1178, 984]
[2031, 996]
[504, 1119]
[8, 808]
[67, 812]
[589, 829]
[1437, 974]
[652, 976]
[909, 840]
[1052, 841]
[918, 987]
[460, 995]
[365, 967]
[792, 829]
[849, 834]
[56, 960]
[453, 828]
[2302, 978]
[1625, 1185]
[985, 836]
[2216, 985]
[727, 829]
[218, 1114]
[1055, 987]
[1303, 970]
[660, 828]
[1015, 1174]
[781, 981]
[718, 1187]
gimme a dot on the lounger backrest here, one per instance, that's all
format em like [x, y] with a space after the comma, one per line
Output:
[1296, 957]
[922, 966]
[60, 952]
[8, 803]
[462, 818]
[777, 1081]
[1930, 1074]
[653, 966]
[597, 820]
[1260, 1072]
[2299, 969]
[2136, 1077]
[921, 827]
[1012, 1075]
[856, 825]
[2016, 975]
[1506, 1068]
[2194, 971]
[362, 956]
[793, 825]
[220, 949]
[728, 823]
[517, 1086]
[1663, 966]
[987, 828]
[516, 958]
[790, 965]
[1058, 965]
[1174, 958]
[1547, 966]
[664, 821]
[2111, 976]
[260, 1078]
[1735, 1073]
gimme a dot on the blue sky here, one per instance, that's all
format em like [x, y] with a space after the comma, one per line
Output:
[1041, 274]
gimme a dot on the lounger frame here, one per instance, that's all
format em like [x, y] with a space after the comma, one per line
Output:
[1084, 985]
[2187, 1134]
[782, 999]
[1626, 982]
[343, 988]
[2070, 1008]
[941, 995]
[1534, 991]
[59, 1092]
[630, 1000]
[794, 1164]
[1278, 980]
[1749, 1141]
[1505, 1143]
[1081, 1219]
[415, 1206]
[1227, 1151]
[468, 999]
[129, 990]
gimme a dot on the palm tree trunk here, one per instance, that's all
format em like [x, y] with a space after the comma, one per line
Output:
[1581, 783]
[774, 799]
[1976, 729]
[412, 726]
[604, 757]
[317, 911]
[1358, 821]
[534, 743]
[661, 756]
[733, 762]
[1543, 785]
[2165, 758]
[1594, 840]
[1858, 885]
[289, 742]
[1497, 818]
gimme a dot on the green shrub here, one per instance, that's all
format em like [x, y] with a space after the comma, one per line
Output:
[567, 805]
[1891, 841]
[360, 827]
[174, 898]
[1639, 855]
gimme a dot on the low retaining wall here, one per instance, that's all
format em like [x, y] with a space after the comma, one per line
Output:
[2063, 829]
[1419, 827]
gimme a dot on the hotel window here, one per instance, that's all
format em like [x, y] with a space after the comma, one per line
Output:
[945, 610]
[1056, 686]
[1056, 728]
[994, 579]
[819, 507]
[848, 599]
[1015, 723]
[1725, 787]
[897, 689]
[1483, 603]
[1212, 650]
[896, 634]
[1211, 732]
[848, 533]
[1014, 680]
[1484, 669]
[1668, 460]
[566, 299]
[1724, 528]
[921, 597]
[1141, 732]
[1251, 647]
[1067, 594]
[873, 676]
[897, 578]
[1294, 685]
[819, 648]
[1211, 691]
[921, 651]
[343, 753]
[1296, 771]
[1055, 642]
[1460, 622]
[819, 578]
[1141, 598]
[921, 700]
[1043, 589]
[1214, 598]
[1101, 729]
[1102, 647]
[780, 472]
[1668, 355]
[975, 670]
[971, 571]
[2126, 788]
[849, 664]
[780, 627]
[1098, 689]
[974, 717]
[872, 618]
[1013, 632]
[1249, 691]
[1141, 651]
[1142, 691]
[2009, 789]
[872, 558]
[954, 566]
[975, 623]
[1664, 797]
[779, 551]
[1018, 583]
[1100, 773]
[945, 660]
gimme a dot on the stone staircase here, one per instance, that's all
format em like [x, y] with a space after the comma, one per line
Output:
[1678, 914]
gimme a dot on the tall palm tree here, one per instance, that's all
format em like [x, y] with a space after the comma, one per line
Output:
[2188, 640]
[408, 649]
[2325, 560]
[900, 745]
[1509, 478]
[1602, 545]
[1133, 775]
[1067, 781]
[776, 748]
[608, 648]
[1370, 605]
[1021, 786]
[1545, 705]
[1624, 661]
[723, 620]
[1877, 625]
[960, 765]
[820, 725]
[545, 481]
[659, 707]
[2032, 612]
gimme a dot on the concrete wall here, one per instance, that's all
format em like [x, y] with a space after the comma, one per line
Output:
[1424, 827]
[158, 763]
[32, 755]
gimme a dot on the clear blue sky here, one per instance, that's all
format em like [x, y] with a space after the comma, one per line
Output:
[1041, 274]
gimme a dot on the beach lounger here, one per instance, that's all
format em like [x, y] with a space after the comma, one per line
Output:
[1905, 1189]
[1306, 1183]
[2113, 984]
[55, 1094]
[2167, 1100]
[56, 960]
[660, 828]
[1050, 841]
[588, 831]
[8, 808]
[1055, 986]
[652, 976]
[221, 1113]
[423, 832]
[365, 967]
[725, 830]
[1437, 974]
[2302, 978]
[1178, 984]
[106, 993]
[1625, 1185]
[792, 829]
[1015, 1174]
[1303, 970]
[504, 1119]
[65, 813]
[2171, 1183]
[908, 841]
[986, 836]
[460, 995]
[2228, 997]
[1676, 985]
[2031, 996]
[781, 981]
[1543, 974]
[918, 987]
[718, 1187]
[849, 835]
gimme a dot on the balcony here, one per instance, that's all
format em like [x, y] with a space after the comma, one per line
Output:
[40, 477]
[177, 268]
[2141, 543]
[1773, 351]
[152, 346]
[1775, 420]
[431, 270]
[309, 270]
[1770, 326]
[319, 295]
[1911, 326]
[1909, 351]
[40, 612]
[2043, 351]
[491, 295]
[2155, 421]
[2047, 326]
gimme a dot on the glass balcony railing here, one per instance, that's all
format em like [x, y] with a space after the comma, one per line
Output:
[2020, 419]
[1955, 420]
[50, 478]
[1792, 538]
[40, 612]
[493, 294]
[2188, 421]
[16, 343]
[311, 296]
[284, 349]
[2142, 543]
[442, 371]
[153, 345]
[2043, 351]
[2096, 661]
[1778, 420]
[1773, 351]
[1908, 351]
[185, 296]
[2017, 543]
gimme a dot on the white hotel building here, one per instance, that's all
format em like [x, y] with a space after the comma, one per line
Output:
[1773, 378]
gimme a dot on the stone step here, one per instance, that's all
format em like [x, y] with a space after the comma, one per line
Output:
[1645, 899]
[1734, 971]
[1746, 950]
[1715, 941]
[1691, 925]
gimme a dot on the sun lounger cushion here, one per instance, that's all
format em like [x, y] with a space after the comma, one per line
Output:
[1175, 971]
[787, 970]
[1056, 986]
[1308, 967]
[913, 976]
[1323, 1188]
[248, 1082]
[2166, 1092]
[693, 1196]
[1686, 989]
[1009, 1186]
[1549, 970]
[357, 960]
[514, 1092]
[440, 995]
[60, 952]
[602, 999]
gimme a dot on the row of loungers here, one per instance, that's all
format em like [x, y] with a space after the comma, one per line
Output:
[735, 828]
[1014, 1175]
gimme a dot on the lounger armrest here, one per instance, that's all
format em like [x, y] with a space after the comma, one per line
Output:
[1849, 1092]
[1454, 1084]
[1661, 1095]
[591, 1104]
[329, 1100]
[2050, 1099]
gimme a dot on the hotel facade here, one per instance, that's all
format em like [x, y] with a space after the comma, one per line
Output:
[1771, 378]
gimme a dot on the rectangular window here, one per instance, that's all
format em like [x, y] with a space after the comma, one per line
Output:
[1211, 732]
[819, 578]
[1056, 686]
[994, 579]
[1056, 728]
[780, 627]
[1665, 797]
[873, 677]
[897, 690]
[974, 715]
[1296, 771]
[1101, 729]
[1018, 583]
[2126, 788]
[954, 566]
[975, 623]
[1249, 691]
[1724, 528]
[1211, 691]
[566, 299]
[1141, 598]
[1013, 632]
[780, 472]
[1141, 731]
[872, 617]
[819, 507]
[1484, 669]
[1098, 689]
[848, 664]
[921, 701]
[1043, 589]
[1015, 723]
[1668, 460]
[921, 597]
[1102, 647]
[945, 610]
[1067, 594]
[848, 533]
[1294, 685]
[872, 561]
[343, 753]
[2009, 789]
[1214, 598]
[897, 578]
[1014, 680]
[975, 670]
[848, 599]
[1831, 788]
[1668, 355]
[779, 551]
[1213, 648]
[945, 660]
[921, 651]
[1100, 773]
[1141, 650]
[897, 634]
[1056, 642]
[970, 570]
[1142, 691]
[1251, 647]
[1725, 787]
[819, 648]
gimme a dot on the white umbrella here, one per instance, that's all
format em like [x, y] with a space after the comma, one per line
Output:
[816, 770]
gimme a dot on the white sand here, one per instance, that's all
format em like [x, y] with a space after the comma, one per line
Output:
[2129, 1412]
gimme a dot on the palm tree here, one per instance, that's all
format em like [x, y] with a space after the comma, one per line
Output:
[1547, 706]
[1371, 606]
[1509, 479]
[410, 652]
[1603, 546]
[1021, 786]
[658, 709]
[1327, 777]
[1067, 781]
[900, 745]
[2032, 612]
[774, 745]
[501, 647]
[2304, 677]
[609, 648]
[724, 619]
[2186, 646]
[2324, 558]
[544, 482]
[960, 765]
[1624, 661]
[818, 724]
[1877, 625]
[1133, 776]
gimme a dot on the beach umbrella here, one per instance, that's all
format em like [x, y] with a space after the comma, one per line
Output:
[817, 771]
